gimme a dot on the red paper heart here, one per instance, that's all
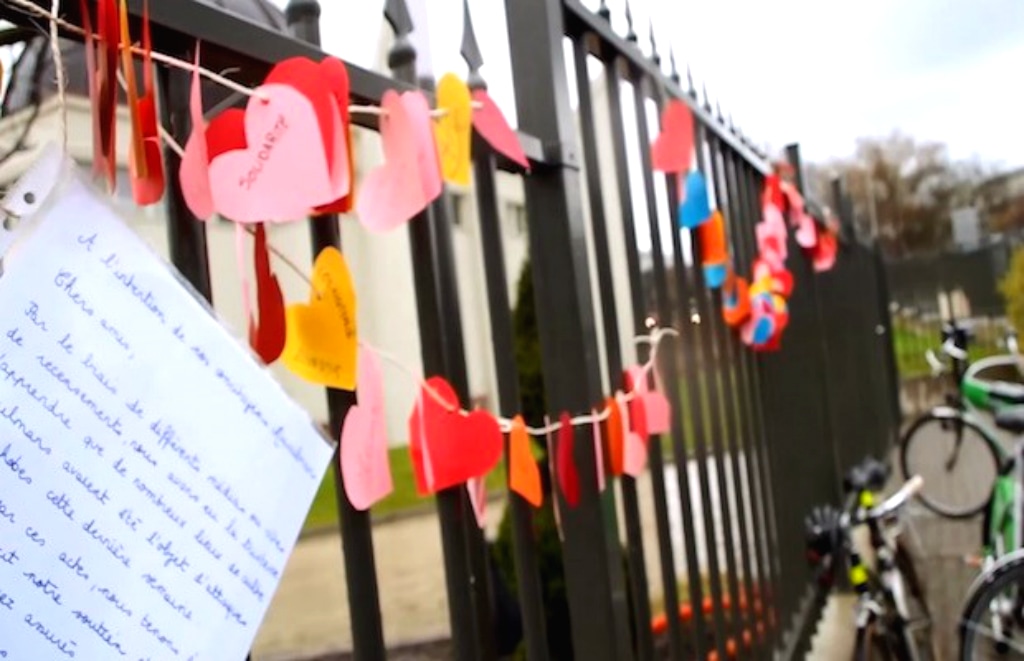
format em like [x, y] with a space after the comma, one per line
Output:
[446, 446]
[305, 76]
[225, 133]
[637, 412]
[492, 126]
[334, 74]
[568, 476]
[267, 337]
[824, 253]
[672, 151]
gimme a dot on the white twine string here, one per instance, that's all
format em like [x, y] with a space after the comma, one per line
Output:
[59, 70]
[56, 22]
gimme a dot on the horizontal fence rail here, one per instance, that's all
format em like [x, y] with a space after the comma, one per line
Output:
[755, 438]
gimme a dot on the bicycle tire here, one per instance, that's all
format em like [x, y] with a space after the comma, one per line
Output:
[870, 645]
[944, 416]
[1006, 571]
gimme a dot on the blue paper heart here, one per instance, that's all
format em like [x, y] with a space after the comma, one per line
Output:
[715, 274]
[696, 208]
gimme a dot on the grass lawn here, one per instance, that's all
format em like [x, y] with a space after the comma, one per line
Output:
[911, 341]
[324, 512]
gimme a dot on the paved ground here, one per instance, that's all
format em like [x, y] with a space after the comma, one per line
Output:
[309, 613]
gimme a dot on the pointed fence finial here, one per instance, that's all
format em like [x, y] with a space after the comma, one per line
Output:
[674, 71]
[689, 83]
[655, 57]
[707, 99]
[402, 52]
[603, 11]
[470, 51]
[630, 32]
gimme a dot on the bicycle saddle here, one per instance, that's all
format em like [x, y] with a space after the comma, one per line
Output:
[1005, 391]
[869, 475]
[1011, 419]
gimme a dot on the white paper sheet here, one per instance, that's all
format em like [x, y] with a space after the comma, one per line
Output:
[153, 477]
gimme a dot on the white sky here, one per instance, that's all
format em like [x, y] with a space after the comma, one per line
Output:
[819, 73]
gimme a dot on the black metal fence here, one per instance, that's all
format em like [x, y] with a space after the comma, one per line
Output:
[768, 434]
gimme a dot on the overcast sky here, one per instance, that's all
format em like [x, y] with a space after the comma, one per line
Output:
[820, 73]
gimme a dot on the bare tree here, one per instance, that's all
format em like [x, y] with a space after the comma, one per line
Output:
[902, 191]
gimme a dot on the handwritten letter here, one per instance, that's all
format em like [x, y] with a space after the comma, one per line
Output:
[153, 478]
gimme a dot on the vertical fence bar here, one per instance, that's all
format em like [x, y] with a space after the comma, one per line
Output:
[640, 95]
[625, 193]
[572, 377]
[735, 385]
[728, 388]
[356, 527]
[708, 379]
[771, 588]
[441, 347]
[524, 550]
[630, 502]
[742, 224]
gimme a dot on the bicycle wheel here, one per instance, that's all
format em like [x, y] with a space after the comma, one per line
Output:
[875, 643]
[956, 457]
[992, 622]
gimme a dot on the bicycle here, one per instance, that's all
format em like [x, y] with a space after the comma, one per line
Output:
[954, 435]
[891, 612]
[997, 595]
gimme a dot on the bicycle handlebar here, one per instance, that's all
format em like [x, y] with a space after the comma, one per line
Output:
[897, 500]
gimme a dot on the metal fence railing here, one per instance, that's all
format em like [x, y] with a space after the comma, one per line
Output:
[758, 437]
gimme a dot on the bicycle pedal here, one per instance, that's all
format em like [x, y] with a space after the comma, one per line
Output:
[974, 560]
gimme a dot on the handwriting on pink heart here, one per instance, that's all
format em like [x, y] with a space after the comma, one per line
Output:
[364, 445]
[410, 177]
[492, 126]
[657, 410]
[283, 171]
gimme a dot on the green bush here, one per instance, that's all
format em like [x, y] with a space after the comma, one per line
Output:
[1012, 288]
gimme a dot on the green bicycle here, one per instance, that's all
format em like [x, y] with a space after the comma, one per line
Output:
[950, 446]
[992, 621]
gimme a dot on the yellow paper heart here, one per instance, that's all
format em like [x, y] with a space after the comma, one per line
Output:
[321, 340]
[454, 130]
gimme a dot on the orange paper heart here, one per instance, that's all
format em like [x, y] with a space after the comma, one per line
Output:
[523, 474]
[321, 339]
[614, 433]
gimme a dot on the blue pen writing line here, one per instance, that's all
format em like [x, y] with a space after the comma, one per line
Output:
[144, 296]
[92, 489]
[13, 463]
[65, 645]
[49, 403]
[99, 628]
[54, 370]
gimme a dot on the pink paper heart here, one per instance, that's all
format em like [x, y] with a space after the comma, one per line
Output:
[410, 177]
[634, 450]
[806, 231]
[476, 488]
[598, 454]
[492, 126]
[364, 445]
[194, 171]
[341, 176]
[427, 158]
[656, 407]
[283, 171]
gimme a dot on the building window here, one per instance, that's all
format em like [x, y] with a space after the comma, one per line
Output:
[516, 215]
